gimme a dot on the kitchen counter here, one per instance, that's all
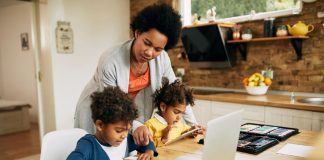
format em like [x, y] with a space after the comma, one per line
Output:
[273, 100]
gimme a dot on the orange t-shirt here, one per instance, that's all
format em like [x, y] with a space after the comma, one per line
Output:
[136, 84]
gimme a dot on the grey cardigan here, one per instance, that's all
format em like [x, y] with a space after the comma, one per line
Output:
[113, 70]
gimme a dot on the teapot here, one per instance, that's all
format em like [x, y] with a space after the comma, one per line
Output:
[300, 29]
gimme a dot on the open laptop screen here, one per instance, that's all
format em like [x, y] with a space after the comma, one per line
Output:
[222, 137]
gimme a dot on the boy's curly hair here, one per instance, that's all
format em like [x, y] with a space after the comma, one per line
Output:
[112, 105]
[173, 94]
[161, 17]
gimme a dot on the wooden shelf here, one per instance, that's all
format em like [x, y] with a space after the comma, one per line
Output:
[296, 41]
[268, 39]
[221, 24]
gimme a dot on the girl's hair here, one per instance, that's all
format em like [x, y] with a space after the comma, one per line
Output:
[173, 94]
[161, 17]
[112, 105]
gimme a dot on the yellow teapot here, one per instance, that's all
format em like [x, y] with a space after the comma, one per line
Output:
[300, 29]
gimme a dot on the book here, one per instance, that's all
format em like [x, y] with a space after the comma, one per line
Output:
[242, 135]
[248, 127]
[242, 143]
[280, 132]
[263, 129]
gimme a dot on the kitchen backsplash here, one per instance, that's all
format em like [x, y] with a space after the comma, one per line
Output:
[306, 75]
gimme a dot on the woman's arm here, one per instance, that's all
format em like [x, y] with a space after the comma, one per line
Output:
[189, 116]
[141, 148]
[168, 72]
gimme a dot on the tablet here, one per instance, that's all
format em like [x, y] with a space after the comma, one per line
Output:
[183, 135]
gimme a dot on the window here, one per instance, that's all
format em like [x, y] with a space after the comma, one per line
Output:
[238, 10]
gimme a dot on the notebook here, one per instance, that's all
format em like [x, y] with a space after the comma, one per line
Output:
[263, 129]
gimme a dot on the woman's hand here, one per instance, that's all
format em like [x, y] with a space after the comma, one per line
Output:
[142, 136]
[148, 155]
[165, 133]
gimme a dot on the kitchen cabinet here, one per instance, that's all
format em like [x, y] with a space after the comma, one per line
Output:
[206, 110]
[202, 111]
[318, 121]
[296, 41]
[289, 118]
[251, 114]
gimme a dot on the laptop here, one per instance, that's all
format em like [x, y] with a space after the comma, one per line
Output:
[221, 137]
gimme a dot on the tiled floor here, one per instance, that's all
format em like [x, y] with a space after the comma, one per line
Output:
[20, 145]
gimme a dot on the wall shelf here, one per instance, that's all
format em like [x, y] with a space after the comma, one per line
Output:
[296, 41]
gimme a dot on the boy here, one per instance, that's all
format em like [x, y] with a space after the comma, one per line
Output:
[113, 113]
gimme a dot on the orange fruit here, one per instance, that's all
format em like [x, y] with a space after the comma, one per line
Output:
[268, 81]
[245, 81]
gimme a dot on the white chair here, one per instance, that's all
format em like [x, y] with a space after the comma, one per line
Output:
[57, 145]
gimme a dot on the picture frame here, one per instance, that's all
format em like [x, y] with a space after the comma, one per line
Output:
[24, 41]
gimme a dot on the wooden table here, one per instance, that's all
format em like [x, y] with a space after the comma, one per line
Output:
[190, 147]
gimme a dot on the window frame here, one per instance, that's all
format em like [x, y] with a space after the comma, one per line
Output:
[185, 10]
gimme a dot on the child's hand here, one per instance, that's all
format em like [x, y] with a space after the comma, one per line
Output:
[200, 131]
[148, 155]
[165, 133]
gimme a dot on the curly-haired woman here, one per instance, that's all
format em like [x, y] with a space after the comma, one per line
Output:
[137, 67]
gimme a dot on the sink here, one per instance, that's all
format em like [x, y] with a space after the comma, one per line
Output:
[209, 92]
[319, 101]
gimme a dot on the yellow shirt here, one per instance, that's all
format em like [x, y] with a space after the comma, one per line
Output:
[158, 123]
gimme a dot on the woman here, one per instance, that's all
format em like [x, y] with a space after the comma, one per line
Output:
[137, 67]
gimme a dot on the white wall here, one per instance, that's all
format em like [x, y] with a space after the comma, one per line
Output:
[1, 76]
[96, 25]
[17, 69]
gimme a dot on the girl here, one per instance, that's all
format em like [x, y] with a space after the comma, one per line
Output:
[171, 101]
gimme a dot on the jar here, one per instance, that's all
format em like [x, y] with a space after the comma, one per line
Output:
[281, 31]
[247, 34]
[236, 35]
[236, 32]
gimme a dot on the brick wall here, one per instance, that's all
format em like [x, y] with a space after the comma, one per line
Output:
[306, 75]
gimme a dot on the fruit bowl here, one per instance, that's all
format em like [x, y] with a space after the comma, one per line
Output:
[256, 90]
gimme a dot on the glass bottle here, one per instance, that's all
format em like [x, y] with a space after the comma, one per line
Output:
[236, 32]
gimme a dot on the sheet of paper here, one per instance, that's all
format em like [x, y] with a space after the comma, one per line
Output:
[188, 157]
[295, 150]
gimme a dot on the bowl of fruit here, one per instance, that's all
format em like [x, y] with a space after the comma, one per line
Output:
[257, 84]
